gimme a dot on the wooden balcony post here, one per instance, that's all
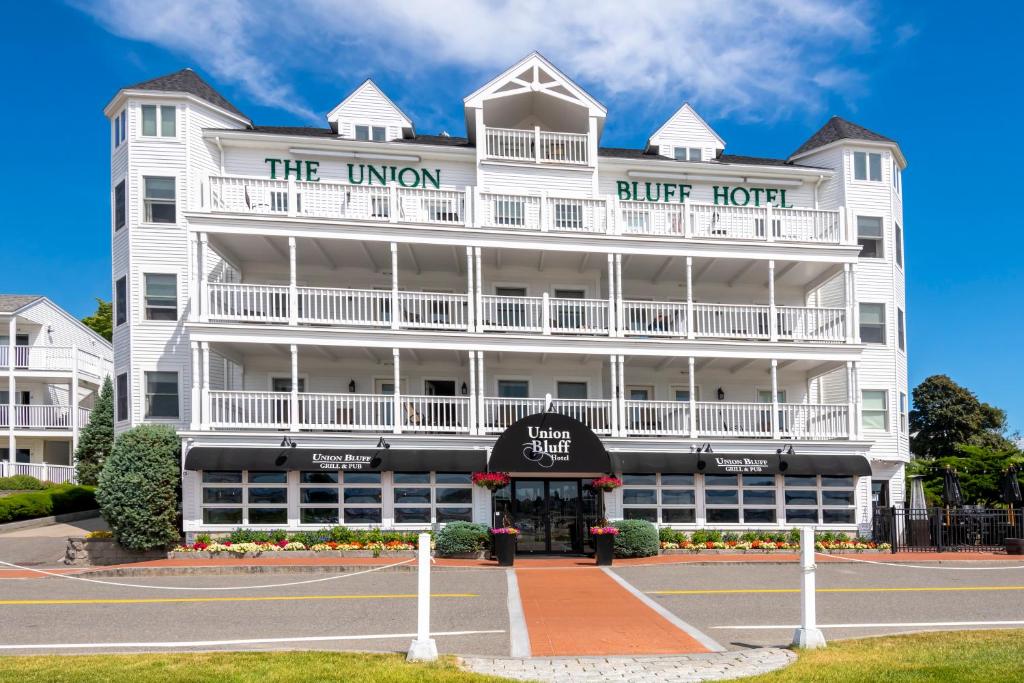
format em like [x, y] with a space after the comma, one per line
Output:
[292, 198]
[396, 314]
[843, 237]
[478, 208]
[392, 204]
[473, 400]
[544, 212]
[204, 280]
[470, 292]
[769, 230]
[620, 320]
[194, 408]
[73, 401]
[479, 292]
[614, 387]
[396, 395]
[851, 399]
[773, 312]
[545, 312]
[293, 399]
[848, 282]
[776, 427]
[536, 144]
[854, 305]
[622, 392]
[482, 392]
[689, 298]
[293, 290]
[205, 414]
[612, 323]
[12, 389]
[691, 364]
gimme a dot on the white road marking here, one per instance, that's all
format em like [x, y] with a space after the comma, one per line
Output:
[924, 566]
[247, 641]
[901, 624]
[520, 636]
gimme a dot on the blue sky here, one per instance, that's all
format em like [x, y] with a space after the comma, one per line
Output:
[942, 81]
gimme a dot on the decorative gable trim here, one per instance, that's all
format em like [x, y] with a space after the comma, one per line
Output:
[679, 113]
[368, 84]
[510, 82]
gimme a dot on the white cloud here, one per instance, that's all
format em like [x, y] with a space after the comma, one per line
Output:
[753, 60]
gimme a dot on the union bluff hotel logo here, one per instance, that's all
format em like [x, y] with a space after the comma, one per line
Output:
[346, 461]
[545, 447]
[753, 465]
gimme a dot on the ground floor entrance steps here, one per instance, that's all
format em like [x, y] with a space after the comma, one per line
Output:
[590, 612]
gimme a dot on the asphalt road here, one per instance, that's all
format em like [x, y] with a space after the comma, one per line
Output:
[733, 604]
[44, 546]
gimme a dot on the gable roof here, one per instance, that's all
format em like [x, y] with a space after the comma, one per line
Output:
[836, 129]
[188, 81]
[686, 106]
[368, 83]
[11, 303]
[538, 60]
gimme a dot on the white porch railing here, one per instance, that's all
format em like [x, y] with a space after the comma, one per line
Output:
[248, 302]
[57, 358]
[730, 321]
[734, 419]
[346, 411]
[84, 415]
[512, 313]
[437, 207]
[511, 211]
[510, 143]
[650, 218]
[331, 306]
[499, 413]
[435, 413]
[578, 316]
[654, 318]
[806, 323]
[814, 420]
[433, 310]
[250, 409]
[36, 416]
[596, 413]
[58, 474]
[657, 418]
[567, 214]
[564, 148]
[807, 225]
[727, 222]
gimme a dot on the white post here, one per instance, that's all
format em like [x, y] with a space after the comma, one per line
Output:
[808, 635]
[613, 367]
[611, 295]
[622, 391]
[775, 399]
[479, 291]
[73, 400]
[769, 232]
[851, 401]
[396, 397]
[481, 408]
[689, 298]
[12, 336]
[293, 401]
[195, 408]
[536, 144]
[855, 323]
[691, 364]
[470, 293]
[423, 648]
[858, 401]
[621, 321]
[204, 280]
[773, 317]
[395, 313]
[545, 311]
[293, 290]
[205, 348]
[848, 281]
[473, 400]
[292, 194]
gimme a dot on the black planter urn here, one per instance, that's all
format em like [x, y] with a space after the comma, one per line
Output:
[1015, 546]
[505, 549]
[604, 545]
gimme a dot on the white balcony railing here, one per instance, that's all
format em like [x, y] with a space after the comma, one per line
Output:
[568, 214]
[564, 148]
[654, 318]
[249, 409]
[805, 323]
[331, 306]
[509, 211]
[500, 413]
[814, 420]
[649, 218]
[36, 417]
[510, 144]
[348, 412]
[58, 474]
[657, 418]
[512, 313]
[435, 413]
[433, 310]
[734, 419]
[596, 413]
[248, 302]
[730, 321]
[514, 144]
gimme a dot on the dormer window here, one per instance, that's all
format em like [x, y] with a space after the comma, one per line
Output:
[158, 121]
[375, 133]
[687, 154]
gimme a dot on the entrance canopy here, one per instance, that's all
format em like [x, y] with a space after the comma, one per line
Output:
[549, 443]
[711, 463]
[367, 460]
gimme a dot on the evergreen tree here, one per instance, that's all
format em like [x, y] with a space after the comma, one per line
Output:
[102, 321]
[947, 415]
[979, 469]
[96, 439]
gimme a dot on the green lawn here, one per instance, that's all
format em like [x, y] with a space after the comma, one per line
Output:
[947, 657]
[232, 667]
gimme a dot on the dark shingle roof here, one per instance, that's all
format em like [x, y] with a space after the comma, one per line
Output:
[309, 131]
[442, 140]
[624, 153]
[187, 81]
[9, 303]
[652, 153]
[839, 129]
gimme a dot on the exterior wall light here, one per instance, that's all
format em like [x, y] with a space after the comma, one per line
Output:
[351, 386]
[721, 394]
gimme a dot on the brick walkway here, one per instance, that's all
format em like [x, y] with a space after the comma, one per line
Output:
[693, 667]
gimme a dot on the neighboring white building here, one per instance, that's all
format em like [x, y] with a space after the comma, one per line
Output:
[390, 303]
[54, 367]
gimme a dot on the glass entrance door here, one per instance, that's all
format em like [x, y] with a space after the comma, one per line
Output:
[552, 515]
[529, 514]
[564, 524]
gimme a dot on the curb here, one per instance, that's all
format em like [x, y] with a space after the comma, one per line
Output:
[48, 521]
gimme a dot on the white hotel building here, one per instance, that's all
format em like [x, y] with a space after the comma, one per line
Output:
[731, 328]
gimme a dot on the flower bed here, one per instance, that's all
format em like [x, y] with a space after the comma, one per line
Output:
[711, 541]
[294, 549]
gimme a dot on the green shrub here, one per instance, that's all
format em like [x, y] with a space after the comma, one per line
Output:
[730, 536]
[636, 538]
[23, 482]
[97, 437]
[247, 536]
[457, 538]
[140, 488]
[706, 535]
[666, 535]
[57, 500]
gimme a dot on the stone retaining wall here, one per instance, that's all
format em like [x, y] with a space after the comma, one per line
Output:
[93, 552]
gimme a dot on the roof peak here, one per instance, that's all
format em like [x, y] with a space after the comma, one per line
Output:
[835, 129]
[187, 80]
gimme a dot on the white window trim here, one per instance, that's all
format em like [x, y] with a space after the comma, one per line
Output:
[114, 229]
[659, 486]
[433, 505]
[575, 380]
[177, 299]
[386, 501]
[303, 377]
[141, 176]
[245, 485]
[867, 168]
[180, 370]
[127, 300]
[888, 411]
[884, 246]
[370, 126]
[178, 118]
[128, 388]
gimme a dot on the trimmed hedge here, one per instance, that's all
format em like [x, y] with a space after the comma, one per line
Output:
[57, 500]
[338, 534]
[636, 538]
[23, 482]
[459, 538]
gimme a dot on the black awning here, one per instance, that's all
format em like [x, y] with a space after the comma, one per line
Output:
[549, 442]
[645, 462]
[366, 459]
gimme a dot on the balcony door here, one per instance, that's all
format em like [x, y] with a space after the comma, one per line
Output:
[281, 405]
[20, 349]
[569, 316]
[511, 313]
[440, 413]
[23, 416]
[765, 396]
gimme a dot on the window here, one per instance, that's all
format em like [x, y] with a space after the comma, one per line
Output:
[898, 244]
[872, 323]
[825, 499]
[233, 497]
[660, 498]
[161, 205]
[158, 121]
[569, 215]
[119, 206]
[162, 395]
[896, 179]
[687, 154]
[121, 301]
[869, 237]
[375, 133]
[733, 498]
[121, 394]
[903, 413]
[120, 128]
[572, 390]
[161, 296]
[513, 388]
[340, 498]
[875, 409]
[867, 166]
[901, 331]
[427, 498]
[509, 212]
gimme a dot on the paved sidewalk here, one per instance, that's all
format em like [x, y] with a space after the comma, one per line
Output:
[694, 667]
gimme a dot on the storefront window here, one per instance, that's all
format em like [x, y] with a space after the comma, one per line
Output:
[327, 498]
[822, 499]
[660, 498]
[426, 498]
[235, 497]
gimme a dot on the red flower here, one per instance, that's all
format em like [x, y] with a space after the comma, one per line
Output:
[491, 480]
[282, 543]
[606, 483]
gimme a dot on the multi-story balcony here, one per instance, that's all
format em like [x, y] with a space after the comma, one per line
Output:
[473, 208]
[59, 359]
[41, 417]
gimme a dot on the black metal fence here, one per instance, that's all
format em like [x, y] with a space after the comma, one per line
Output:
[946, 529]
